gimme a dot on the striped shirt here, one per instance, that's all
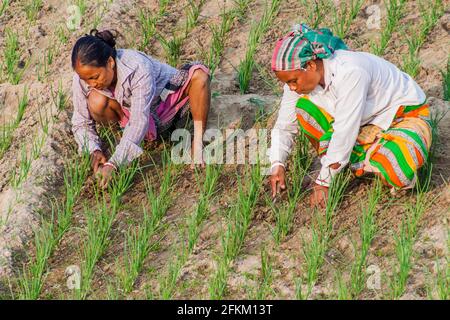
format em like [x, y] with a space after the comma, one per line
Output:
[140, 81]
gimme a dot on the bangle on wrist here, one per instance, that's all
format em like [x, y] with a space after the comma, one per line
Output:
[109, 164]
[276, 164]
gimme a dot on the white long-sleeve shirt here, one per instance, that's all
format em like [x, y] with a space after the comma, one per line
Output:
[360, 88]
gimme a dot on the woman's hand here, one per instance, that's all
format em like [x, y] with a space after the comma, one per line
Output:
[104, 175]
[97, 159]
[278, 180]
[319, 196]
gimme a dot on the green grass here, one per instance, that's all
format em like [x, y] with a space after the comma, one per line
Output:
[147, 22]
[343, 14]
[82, 5]
[31, 280]
[315, 248]
[430, 14]
[192, 14]
[405, 238]
[284, 213]
[50, 233]
[367, 231]
[237, 224]
[191, 232]
[59, 97]
[219, 37]
[138, 243]
[257, 31]
[316, 11]
[172, 48]
[12, 54]
[23, 103]
[394, 10]
[3, 6]
[263, 289]
[241, 8]
[446, 81]
[32, 8]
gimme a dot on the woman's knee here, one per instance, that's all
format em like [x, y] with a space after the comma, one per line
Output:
[200, 78]
[97, 102]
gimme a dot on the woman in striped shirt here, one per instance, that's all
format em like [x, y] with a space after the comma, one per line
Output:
[143, 95]
[354, 107]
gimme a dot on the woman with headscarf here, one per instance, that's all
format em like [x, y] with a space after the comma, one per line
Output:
[354, 107]
[145, 96]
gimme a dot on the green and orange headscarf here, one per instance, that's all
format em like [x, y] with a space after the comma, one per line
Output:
[302, 45]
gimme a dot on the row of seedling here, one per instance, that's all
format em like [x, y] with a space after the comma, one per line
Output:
[52, 229]
[430, 14]
[315, 248]
[172, 46]
[190, 233]
[367, 230]
[262, 289]
[238, 221]
[257, 31]
[148, 23]
[343, 14]
[139, 241]
[394, 11]
[4, 4]
[100, 219]
[32, 8]
[11, 67]
[7, 128]
[284, 213]
[315, 11]
[406, 237]
[219, 37]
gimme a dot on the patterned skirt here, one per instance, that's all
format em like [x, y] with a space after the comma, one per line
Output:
[397, 153]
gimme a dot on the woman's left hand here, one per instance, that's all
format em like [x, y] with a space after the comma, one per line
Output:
[104, 175]
[319, 196]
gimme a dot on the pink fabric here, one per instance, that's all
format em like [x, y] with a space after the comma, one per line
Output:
[167, 109]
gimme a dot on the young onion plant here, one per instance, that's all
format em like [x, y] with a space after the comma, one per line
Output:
[12, 54]
[407, 234]
[284, 214]
[321, 230]
[138, 242]
[263, 289]
[430, 15]
[257, 31]
[7, 129]
[343, 16]
[367, 231]
[50, 233]
[238, 222]
[32, 8]
[192, 15]
[394, 10]
[315, 11]
[191, 234]
[3, 6]
[219, 36]
[99, 224]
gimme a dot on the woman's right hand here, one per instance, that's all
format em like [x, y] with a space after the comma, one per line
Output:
[278, 180]
[97, 159]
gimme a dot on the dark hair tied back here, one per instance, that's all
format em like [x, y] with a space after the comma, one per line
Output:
[95, 48]
[106, 36]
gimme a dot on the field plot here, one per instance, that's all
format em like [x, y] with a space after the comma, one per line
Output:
[165, 231]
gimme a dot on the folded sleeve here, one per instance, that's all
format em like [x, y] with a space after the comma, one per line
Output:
[83, 126]
[142, 93]
[351, 98]
[285, 129]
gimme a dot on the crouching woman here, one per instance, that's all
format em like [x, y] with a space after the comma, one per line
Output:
[144, 96]
[355, 108]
